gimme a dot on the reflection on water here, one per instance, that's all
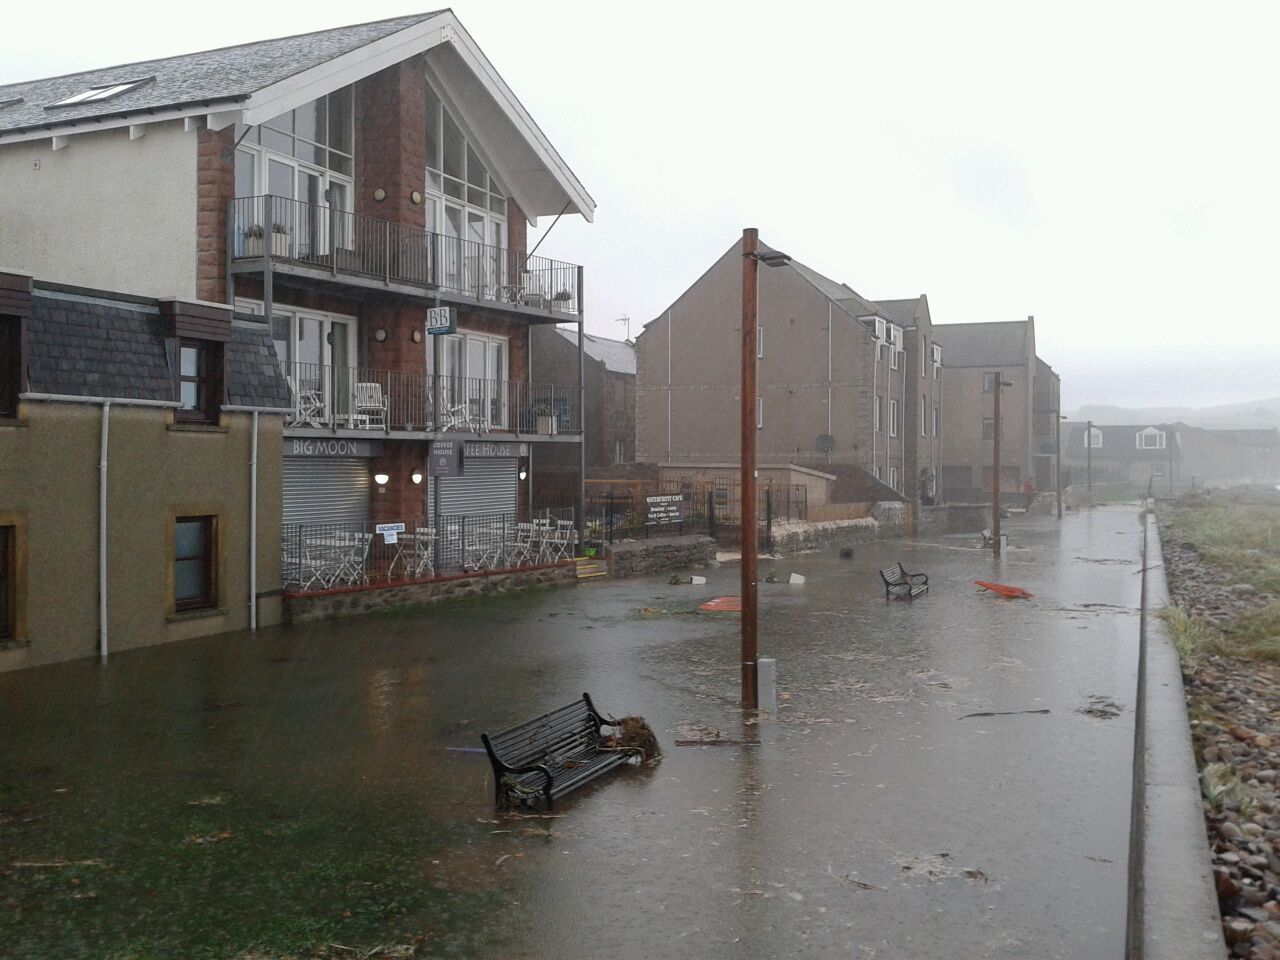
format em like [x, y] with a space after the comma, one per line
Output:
[329, 746]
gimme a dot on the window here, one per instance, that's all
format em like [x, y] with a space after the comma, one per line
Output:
[474, 373]
[924, 416]
[937, 362]
[935, 421]
[193, 562]
[759, 343]
[10, 365]
[8, 583]
[875, 415]
[1151, 439]
[988, 428]
[894, 356]
[100, 93]
[924, 359]
[1093, 438]
[619, 451]
[988, 383]
[759, 413]
[198, 380]
[893, 418]
[893, 477]
[876, 471]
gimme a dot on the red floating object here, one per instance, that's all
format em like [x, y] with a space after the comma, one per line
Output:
[723, 605]
[1014, 593]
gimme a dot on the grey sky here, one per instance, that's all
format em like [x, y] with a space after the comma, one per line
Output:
[1108, 168]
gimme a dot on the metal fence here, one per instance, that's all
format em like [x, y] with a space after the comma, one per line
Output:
[308, 234]
[328, 556]
[331, 395]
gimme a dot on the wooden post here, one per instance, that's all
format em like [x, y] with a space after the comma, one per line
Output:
[750, 270]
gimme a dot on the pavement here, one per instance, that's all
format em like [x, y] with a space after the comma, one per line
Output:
[948, 778]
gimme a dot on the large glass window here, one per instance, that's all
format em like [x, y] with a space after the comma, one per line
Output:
[473, 370]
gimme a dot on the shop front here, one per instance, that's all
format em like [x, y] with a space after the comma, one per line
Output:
[328, 480]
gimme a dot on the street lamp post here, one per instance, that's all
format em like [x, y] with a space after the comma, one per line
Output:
[1057, 457]
[751, 260]
[998, 382]
[1088, 446]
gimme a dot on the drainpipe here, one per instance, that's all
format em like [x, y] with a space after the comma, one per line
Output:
[105, 403]
[902, 426]
[102, 529]
[829, 378]
[253, 503]
[875, 388]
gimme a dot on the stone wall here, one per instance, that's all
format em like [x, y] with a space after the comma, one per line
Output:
[303, 608]
[660, 555]
[953, 518]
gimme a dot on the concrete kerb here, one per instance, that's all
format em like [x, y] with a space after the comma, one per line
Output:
[1173, 904]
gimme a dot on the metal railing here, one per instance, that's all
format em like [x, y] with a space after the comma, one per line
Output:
[297, 232]
[330, 396]
[329, 556]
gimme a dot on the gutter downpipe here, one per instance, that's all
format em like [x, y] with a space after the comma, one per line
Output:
[875, 387]
[253, 504]
[105, 403]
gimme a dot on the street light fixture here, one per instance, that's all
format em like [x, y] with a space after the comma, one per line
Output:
[751, 260]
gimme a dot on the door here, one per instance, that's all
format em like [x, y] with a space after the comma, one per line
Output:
[326, 490]
[489, 486]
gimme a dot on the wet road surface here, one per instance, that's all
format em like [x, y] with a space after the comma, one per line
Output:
[948, 778]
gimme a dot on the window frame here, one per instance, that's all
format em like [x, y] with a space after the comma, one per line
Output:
[1150, 433]
[877, 417]
[988, 383]
[988, 428]
[208, 377]
[759, 413]
[893, 418]
[208, 598]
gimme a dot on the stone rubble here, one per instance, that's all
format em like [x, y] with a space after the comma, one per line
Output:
[1233, 704]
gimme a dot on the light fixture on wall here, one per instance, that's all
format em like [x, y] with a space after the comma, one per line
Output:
[416, 476]
[417, 336]
[381, 480]
[379, 194]
[524, 474]
[380, 335]
[416, 197]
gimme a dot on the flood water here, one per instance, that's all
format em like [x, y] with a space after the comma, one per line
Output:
[321, 784]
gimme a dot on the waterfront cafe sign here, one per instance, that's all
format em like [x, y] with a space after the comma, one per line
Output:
[665, 508]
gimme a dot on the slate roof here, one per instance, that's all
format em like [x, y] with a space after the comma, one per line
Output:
[983, 344]
[95, 347]
[211, 76]
[901, 312]
[1119, 442]
[841, 294]
[618, 356]
[1269, 437]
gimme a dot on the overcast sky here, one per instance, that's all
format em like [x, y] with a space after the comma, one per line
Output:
[1109, 168]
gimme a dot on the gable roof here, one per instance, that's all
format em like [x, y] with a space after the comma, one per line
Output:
[905, 313]
[254, 82]
[91, 346]
[984, 344]
[618, 356]
[841, 294]
[1120, 441]
[209, 77]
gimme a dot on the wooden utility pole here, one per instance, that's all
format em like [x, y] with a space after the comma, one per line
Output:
[750, 270]
[995, 469]
[1057, 458]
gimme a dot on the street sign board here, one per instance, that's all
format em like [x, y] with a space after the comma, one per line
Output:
[665, 508]
[442, 320]
[446, 458]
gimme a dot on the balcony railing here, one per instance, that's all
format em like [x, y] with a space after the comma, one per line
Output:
[342, 243]
[359, 398]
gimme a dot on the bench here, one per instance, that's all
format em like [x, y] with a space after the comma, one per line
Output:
[902, 585]
[553, 754]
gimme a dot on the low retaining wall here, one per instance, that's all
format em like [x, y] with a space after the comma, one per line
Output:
[660, 554]
[1173, 904]
[953, 518]
[352, 601]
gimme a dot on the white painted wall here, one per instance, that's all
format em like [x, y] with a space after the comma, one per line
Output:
[105, 211]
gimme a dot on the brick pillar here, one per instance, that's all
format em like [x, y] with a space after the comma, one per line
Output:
[403, 500]
[391, 136]
[215, 188]
[399, 352]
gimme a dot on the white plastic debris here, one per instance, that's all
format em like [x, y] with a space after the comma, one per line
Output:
[697, 580]
[796, 578]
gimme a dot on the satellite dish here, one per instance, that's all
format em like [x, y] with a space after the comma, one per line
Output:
[826, 442]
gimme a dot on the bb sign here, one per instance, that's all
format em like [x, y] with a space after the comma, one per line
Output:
[442, 320]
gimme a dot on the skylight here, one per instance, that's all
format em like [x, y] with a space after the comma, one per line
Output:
[97, 94]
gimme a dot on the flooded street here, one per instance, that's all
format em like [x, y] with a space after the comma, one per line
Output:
[948, 778]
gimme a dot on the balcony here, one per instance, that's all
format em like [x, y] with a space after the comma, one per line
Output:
[310, 240]
[328, 397]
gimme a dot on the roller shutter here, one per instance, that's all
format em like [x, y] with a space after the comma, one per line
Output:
[490, 486]
[326, 490]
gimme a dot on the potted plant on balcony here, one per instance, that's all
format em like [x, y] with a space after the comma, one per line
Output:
[255, 235]
[544, 420]
[560, 299]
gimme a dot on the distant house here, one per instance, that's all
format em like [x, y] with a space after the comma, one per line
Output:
[976, 355]
[1132, 454]
[1231, 456]
[609, 382]
[846, 386]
